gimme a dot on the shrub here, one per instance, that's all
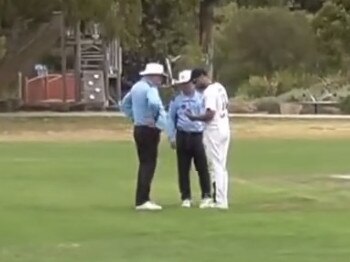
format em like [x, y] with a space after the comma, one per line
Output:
[241, 105]
[261, 42]
[257, 86]
[2, 46]
[345, 105]
[279, 83]
[270, 105]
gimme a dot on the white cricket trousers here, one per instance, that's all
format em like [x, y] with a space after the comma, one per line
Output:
[217, 144]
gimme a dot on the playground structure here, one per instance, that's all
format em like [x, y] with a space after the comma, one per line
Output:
[93, 83]
[89, 76]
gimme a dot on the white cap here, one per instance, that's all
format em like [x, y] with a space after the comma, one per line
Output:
[153, 69]
[184, 77]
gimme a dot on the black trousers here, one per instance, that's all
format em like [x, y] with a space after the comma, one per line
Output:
[190, 146]
[147, 141]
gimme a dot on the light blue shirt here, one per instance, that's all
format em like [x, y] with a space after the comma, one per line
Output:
[143, 105]
[177, 114]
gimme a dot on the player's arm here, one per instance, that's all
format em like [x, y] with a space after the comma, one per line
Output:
[209, 106]
[206, 117]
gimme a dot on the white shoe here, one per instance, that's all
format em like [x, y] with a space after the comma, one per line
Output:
[186, 203]
[206, 203]
[219, 206]
[149, 206]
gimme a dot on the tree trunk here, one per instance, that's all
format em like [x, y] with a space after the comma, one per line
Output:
[206, 26]
[206, 21]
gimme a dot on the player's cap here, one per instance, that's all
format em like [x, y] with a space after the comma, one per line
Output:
[198, 72]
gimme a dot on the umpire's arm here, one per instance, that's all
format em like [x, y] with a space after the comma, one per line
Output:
[126, 106]
[172, 120]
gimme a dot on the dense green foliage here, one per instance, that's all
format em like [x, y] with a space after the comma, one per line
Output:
[262, 42]
[254, 39]
[119, 17]
[345, 105]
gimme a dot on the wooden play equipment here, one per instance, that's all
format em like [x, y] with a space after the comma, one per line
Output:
[95, 80]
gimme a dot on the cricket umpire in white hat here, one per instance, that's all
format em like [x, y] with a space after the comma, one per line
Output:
[144, 107]
[187, 138]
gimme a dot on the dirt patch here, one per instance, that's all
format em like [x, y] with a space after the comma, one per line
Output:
[292, 129]
[111, 130]
[61, 136]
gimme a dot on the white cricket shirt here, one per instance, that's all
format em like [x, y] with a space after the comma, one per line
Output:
[216, 99]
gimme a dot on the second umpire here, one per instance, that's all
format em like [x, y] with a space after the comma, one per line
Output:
[187, 138]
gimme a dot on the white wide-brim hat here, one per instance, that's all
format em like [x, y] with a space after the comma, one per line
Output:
[153, 69]
[184, 77]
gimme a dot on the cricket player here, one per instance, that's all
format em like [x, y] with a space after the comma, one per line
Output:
[216, 134]
[187, 138]
[145, 108]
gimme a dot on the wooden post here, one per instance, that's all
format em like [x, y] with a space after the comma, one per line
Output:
[77, 70]
[26, 83]
[106, 64]
[45, 81]
[64, 57]
[20, 87]
[119, 54]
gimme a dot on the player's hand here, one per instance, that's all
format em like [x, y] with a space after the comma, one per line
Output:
[173, 144]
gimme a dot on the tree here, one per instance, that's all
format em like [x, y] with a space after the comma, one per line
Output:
[167, 25]
[261, 3]
[118, 17]
[261, 42]
[344, 3]
[332, 27]
[309, 5]
[2, 46]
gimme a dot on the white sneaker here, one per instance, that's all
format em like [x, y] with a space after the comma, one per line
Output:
[219, 206]
[186, 203]
[206, 203]
[149, 206]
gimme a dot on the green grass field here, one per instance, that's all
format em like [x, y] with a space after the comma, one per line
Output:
[74, 202]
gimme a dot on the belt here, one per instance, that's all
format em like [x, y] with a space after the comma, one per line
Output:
[190, 133]
[146, 127]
